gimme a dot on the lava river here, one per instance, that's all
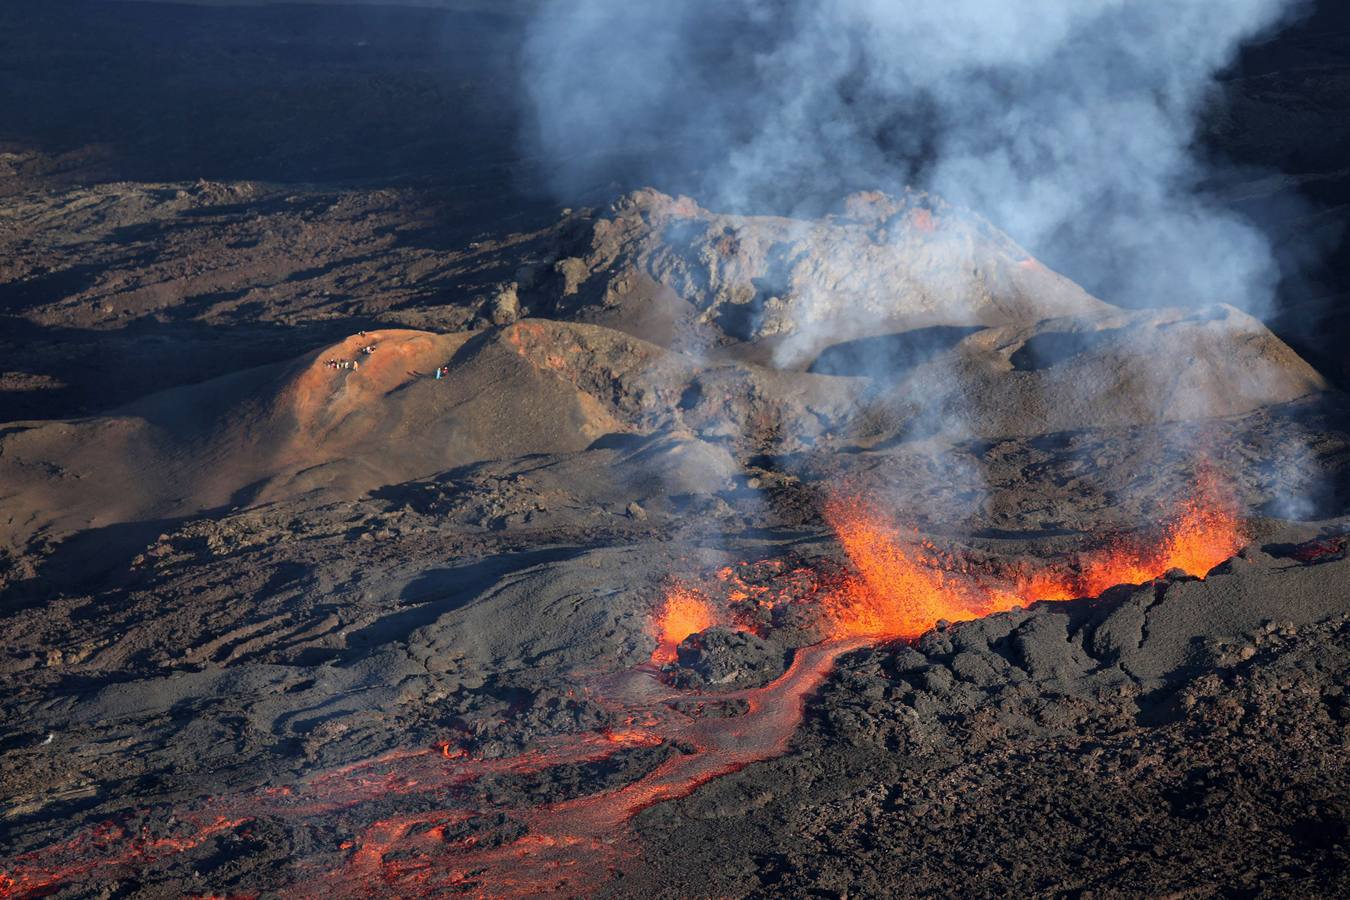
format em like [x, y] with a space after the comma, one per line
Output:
[894, 587]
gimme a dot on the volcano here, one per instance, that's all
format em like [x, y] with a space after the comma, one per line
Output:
[383, 534]
[473, 610]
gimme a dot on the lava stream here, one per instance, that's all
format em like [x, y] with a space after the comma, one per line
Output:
[573, 846]
[896, 588]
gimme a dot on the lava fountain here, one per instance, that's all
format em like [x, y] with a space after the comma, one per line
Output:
[903, 588]
[684, 612]
[895, 586]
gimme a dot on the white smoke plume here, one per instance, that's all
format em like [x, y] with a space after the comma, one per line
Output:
[1068, 123]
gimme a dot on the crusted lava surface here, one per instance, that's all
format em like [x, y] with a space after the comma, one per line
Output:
[369, 527]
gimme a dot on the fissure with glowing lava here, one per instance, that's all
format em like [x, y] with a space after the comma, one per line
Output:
[895, 587]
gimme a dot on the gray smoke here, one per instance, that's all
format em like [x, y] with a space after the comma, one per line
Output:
[1068, 123]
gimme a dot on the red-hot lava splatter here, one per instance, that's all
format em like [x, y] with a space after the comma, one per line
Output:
[684, 612]
[894, 587]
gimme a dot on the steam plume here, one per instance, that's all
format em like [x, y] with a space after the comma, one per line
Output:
[1067, 122]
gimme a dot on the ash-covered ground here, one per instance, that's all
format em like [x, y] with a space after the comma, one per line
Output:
[372, 526]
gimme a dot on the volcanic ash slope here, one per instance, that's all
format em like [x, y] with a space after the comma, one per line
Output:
[894, 318]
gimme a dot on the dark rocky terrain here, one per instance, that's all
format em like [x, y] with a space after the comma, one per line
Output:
[280, 625]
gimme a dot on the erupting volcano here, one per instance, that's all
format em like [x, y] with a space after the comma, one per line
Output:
[640, 450]
[599, 660]
[892, 588]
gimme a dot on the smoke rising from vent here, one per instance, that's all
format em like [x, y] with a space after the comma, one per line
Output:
[1068, 123]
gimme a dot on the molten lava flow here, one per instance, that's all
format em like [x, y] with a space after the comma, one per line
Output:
[573, 846]
[418, 828]
[103, 850]
[685, 612]
[1320, 550]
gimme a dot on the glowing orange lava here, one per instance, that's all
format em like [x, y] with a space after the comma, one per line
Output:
[1204, 531]
[102, 850]
[685, 612]
[898, 592]
[903, 588]
[895, 586]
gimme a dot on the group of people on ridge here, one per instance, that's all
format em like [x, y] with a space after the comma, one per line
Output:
[335, 363]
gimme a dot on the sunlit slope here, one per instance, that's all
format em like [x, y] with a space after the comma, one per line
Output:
[286, 429]
[370, 410]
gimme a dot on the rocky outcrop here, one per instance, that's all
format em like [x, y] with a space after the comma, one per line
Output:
[880, 264]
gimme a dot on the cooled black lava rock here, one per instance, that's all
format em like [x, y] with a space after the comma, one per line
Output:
[724, 658]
